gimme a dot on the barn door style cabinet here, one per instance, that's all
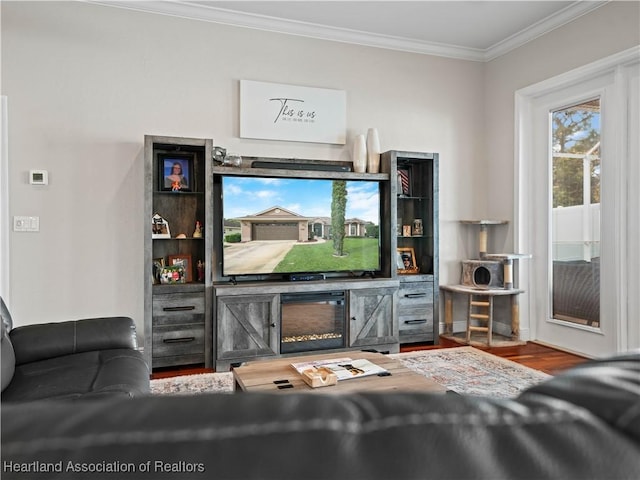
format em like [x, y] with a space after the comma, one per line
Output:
[247, 326]
[177, 250]
[370, 310]
[415, 222]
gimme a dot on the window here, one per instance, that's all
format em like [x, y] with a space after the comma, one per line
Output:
[575, 213]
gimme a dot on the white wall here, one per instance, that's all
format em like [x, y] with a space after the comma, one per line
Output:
[86, 82]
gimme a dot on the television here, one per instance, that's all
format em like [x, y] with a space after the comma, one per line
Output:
[275, 226]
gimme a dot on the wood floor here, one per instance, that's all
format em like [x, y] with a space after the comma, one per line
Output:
[533, 355]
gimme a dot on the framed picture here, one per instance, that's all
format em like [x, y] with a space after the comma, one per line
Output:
[183, 261]
[406, 261]
[175, 172]
[158, 265]
[159, 227]
[404, 182]
[275, 111]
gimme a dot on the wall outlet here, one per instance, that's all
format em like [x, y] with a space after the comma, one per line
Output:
[26, 224]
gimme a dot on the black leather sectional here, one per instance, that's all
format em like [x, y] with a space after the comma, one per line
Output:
[88, 358]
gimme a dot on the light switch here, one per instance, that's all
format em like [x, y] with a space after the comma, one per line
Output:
[26, 224]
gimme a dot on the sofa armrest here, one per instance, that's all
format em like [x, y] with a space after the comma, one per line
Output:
[41, 341]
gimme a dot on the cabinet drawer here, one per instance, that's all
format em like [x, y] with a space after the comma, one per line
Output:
[178, 340]
[178, 308]
[415, 306]
[415, 294]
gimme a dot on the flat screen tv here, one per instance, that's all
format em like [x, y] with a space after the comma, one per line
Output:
[284, 226]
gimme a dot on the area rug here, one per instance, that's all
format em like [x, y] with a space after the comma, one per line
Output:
[464, 370]
[469, 371]
[189, 384]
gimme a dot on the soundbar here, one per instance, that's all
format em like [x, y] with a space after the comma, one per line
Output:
[305, 277]
[327, 167]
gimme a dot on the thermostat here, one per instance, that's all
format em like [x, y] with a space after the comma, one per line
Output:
[38, 177]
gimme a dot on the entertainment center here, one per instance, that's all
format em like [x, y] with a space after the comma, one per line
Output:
[279, 257]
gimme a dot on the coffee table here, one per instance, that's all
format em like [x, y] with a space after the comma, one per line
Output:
[259, 376]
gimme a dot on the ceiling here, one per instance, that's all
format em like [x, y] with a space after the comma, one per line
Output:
[470, 30]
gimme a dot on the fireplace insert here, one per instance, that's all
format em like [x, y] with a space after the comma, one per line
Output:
[312, 321]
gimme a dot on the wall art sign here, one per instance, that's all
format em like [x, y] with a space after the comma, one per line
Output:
[274, 111]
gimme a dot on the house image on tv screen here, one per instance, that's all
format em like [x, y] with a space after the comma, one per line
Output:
[278, 223]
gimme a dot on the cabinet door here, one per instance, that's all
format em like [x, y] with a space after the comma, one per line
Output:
[372, 313]
[247, 326]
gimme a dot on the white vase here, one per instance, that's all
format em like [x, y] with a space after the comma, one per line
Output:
[359, 154]
[373, 151]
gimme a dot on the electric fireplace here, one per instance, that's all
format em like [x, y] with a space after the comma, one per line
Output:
[312, 321]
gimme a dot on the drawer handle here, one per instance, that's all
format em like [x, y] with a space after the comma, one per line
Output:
[413, 322]
[179, 309]
[415, 295]
[179, 340]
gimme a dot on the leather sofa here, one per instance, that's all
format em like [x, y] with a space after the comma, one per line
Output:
[583, 424]
[89, 358]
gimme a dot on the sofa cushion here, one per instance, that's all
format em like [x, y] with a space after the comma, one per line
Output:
[87, 374]
[46, 340]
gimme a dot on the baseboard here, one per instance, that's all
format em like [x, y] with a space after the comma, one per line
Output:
[561, 349]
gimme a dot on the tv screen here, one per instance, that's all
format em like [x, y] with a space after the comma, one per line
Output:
[288, 225]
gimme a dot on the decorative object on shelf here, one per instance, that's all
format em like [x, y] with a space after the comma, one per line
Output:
[275, 111]
[399, 228]
[176, 172]
[404, 182]
[406, 261]
[181, 236]
[159, 227]
[359, 154]
[200, 270]
[373, 151]
[232, 160]
[172, 274]
[218, 155]
[406, 230]
[417, 227]
[183, 261]
[197, 233]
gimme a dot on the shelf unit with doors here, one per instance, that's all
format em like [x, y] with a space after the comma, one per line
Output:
[177, 251]
[414, 196]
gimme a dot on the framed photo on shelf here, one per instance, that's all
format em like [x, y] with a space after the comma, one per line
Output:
[158, 265]
[406, 261]
[175, 172]
[404, 182]
[183, 261]
[159, 227]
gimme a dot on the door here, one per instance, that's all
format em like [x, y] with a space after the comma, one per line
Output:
[574, 204]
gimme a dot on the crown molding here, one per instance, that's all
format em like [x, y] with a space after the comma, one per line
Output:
[546, 25]
[203, 12]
